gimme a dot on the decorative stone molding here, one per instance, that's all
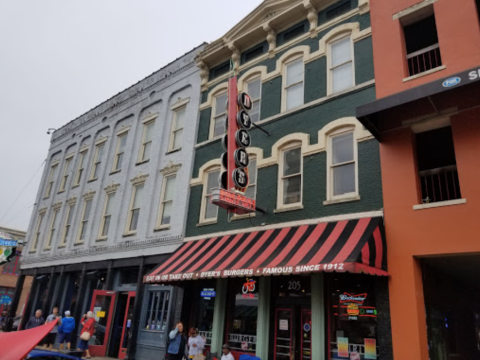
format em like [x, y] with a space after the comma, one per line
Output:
[364, 6]
[112, 187]
[89, 195]
[57, 205]
[203, 73]
[235, 56]
[139, 179]
[170, 168]
[312, 17]
[72, 201]
[271, 39]
[42, 211]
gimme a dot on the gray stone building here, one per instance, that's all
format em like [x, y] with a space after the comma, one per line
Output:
[112, 203]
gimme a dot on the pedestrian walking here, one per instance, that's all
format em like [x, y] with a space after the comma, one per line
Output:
[177, 348]
[49, 340]
[35, 321]
[65, 330]
[88, 323]
[226, 354]
[196, 345]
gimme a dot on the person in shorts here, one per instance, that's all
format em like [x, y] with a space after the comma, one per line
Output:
[49, 340]
[65, 330]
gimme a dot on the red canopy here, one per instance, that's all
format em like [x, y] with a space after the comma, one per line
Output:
[17, 344]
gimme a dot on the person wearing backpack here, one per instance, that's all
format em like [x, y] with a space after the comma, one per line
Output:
[65, 330]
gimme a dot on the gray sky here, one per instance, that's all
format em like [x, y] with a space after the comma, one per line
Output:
[59, 58]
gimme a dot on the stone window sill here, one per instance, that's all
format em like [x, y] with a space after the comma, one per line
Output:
[104, 238]
[207, 222]
[78, 243]
[343, 200]
[115, 171]
[290, 208]
[439, 204]
[92, 180]
[243, 216]
[133, 233]
[74, 186]
[142, 162]
[173, 151]
[162, 228]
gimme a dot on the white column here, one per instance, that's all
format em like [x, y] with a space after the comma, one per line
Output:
[263, 317]
[218, 325]
[318, 317]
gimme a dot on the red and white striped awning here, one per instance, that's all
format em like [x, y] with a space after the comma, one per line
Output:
[356, 246]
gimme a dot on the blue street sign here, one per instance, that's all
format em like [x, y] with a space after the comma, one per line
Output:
[5, 299]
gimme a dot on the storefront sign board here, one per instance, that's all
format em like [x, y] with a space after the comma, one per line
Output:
[100, 314]
[342, 345]
[283, 324]
[5, 299]
[370, 349]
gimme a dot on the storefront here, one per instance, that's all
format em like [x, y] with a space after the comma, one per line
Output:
[302, 292]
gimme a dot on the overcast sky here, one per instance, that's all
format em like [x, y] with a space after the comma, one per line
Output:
[59, 59]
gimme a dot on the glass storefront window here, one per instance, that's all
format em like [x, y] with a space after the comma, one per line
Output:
[204, 303]
[243, 311]
[157, 311]
[352, 316]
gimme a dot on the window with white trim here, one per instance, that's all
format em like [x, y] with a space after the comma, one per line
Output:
[107, 215]
[290, 184]
[37, 232]
[254, 89]
[67, 225]
[80, 167]
[219, 112]
[119, 151]
[53, 227]
[87, 206]
[341, 65]
[209, 210]
[293, 84]
[135, 205]
[342, 156]
[252, 179]
[147, 137]
[66, 173]
[166, 204]
[51, 180]
[97, 160]
[178, 123]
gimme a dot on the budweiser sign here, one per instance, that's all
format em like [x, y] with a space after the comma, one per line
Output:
[347, 298]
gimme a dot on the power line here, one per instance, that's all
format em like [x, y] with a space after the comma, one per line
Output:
[15, 216]
[21, 192]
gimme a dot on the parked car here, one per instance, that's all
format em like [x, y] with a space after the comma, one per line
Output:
[54, 355]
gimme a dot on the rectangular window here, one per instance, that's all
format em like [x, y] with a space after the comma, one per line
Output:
[421, 41]
[342, 165]
[134, 212]
[166, 204]
[66, 173]
[37, 233]
[437, 165]
[83, 225]
[146, 141]
[119, 151]
[67, 225]
[219, 115]
[341, 65]
[157, 311]
[51, 180]
[12, 267]
[107, 215]
[339, 10]
[291, 177]
[177, 129]
[80, 167]
[202, 317]
[252, 178]
[97, 159]
[210, 210]
[294, 84]
[53, 227]
[254, 89]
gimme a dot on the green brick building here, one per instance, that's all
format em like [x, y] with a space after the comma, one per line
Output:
[307, 65]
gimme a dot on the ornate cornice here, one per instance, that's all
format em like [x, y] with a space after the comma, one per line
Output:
[139, 179]
[112, 187]
[170, 168]
[43, 210]
[88, 195]
[72, 201]
[57, 205]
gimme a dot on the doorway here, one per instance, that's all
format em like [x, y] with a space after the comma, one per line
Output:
[102, 306]
[122, 324]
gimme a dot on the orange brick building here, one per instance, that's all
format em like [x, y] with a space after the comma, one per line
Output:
[427, 119]
[9, 273]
